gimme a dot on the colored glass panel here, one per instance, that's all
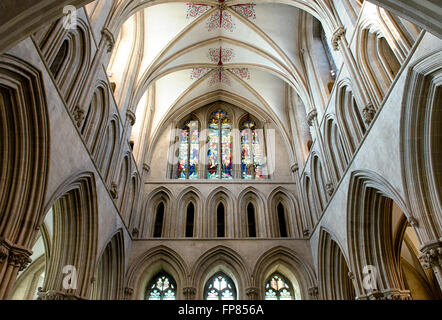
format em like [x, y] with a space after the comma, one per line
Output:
[188, 151]
[162, 288]
[220, 287]
[213, 155]
[277, 288]
[194, 149]
[183, 153]
[226, 138]
[251, 152]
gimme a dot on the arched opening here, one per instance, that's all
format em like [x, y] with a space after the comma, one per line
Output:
[108, 279]
[190, 220]
[159, 217]
[251, 220]
[220, 221]
[282, 221]
[60, 59]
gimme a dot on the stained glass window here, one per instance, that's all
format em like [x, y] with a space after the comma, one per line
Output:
[251, 151]
[220, 146]
[220, 287]
[278, 288]
[162, 287]
[188, 151]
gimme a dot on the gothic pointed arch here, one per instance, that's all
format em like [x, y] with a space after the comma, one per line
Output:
[109, 275]
[189, 213]
[253, 219]
[158, 260]
[290, 208]
[149, 222]
[220, 259]
[224, 196]
[335, 279]
[369, 226]
[287, 262]
[24, 155]
[74, 206]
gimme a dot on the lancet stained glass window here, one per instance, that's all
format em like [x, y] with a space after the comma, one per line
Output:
[220, 287]
[251, 151]
[278, 288]
[188, 151]
[162, 287]
[220, 146]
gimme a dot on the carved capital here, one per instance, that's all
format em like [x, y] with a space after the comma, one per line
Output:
[146, 168]
[55, 295]
[78, 114]
[131, 117]
[311, 117]
[19, 258]
[114, 190]
[135, 232]
[368, 112]
[337, 37]
[4, 249]
[389, 295]
[413, 222]
[431, 256]
[109, 38]
[294, 168]
[306, 232]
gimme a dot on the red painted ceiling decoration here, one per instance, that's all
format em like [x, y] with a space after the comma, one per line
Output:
[198, 73]
[243, 73]
[221, 18]
[220, 76]
[220, 55]
[246, 10]
[196, 10]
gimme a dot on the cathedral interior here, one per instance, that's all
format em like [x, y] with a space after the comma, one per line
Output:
[220, 150]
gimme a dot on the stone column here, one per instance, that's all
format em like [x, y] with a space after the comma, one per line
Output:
[339, 43]
[312, 119]
[13, 259]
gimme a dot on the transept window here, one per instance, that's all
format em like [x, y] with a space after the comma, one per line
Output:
[220, 287]
[220, 146]
[162, 287]
[251, 151]
[278, 288]
[188, 151]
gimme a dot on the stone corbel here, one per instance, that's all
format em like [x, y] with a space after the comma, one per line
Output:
[431, 256]
[369, 112]
[131, 116]
[306, 232]
[78, 114]
[55, 295]
[4, 250]
[109, 37]
[311, 117]
[294, 168]
[313, 292]
[337, 37]
[128, 292]
[114, 190]
[330, 188]
[146, 168]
